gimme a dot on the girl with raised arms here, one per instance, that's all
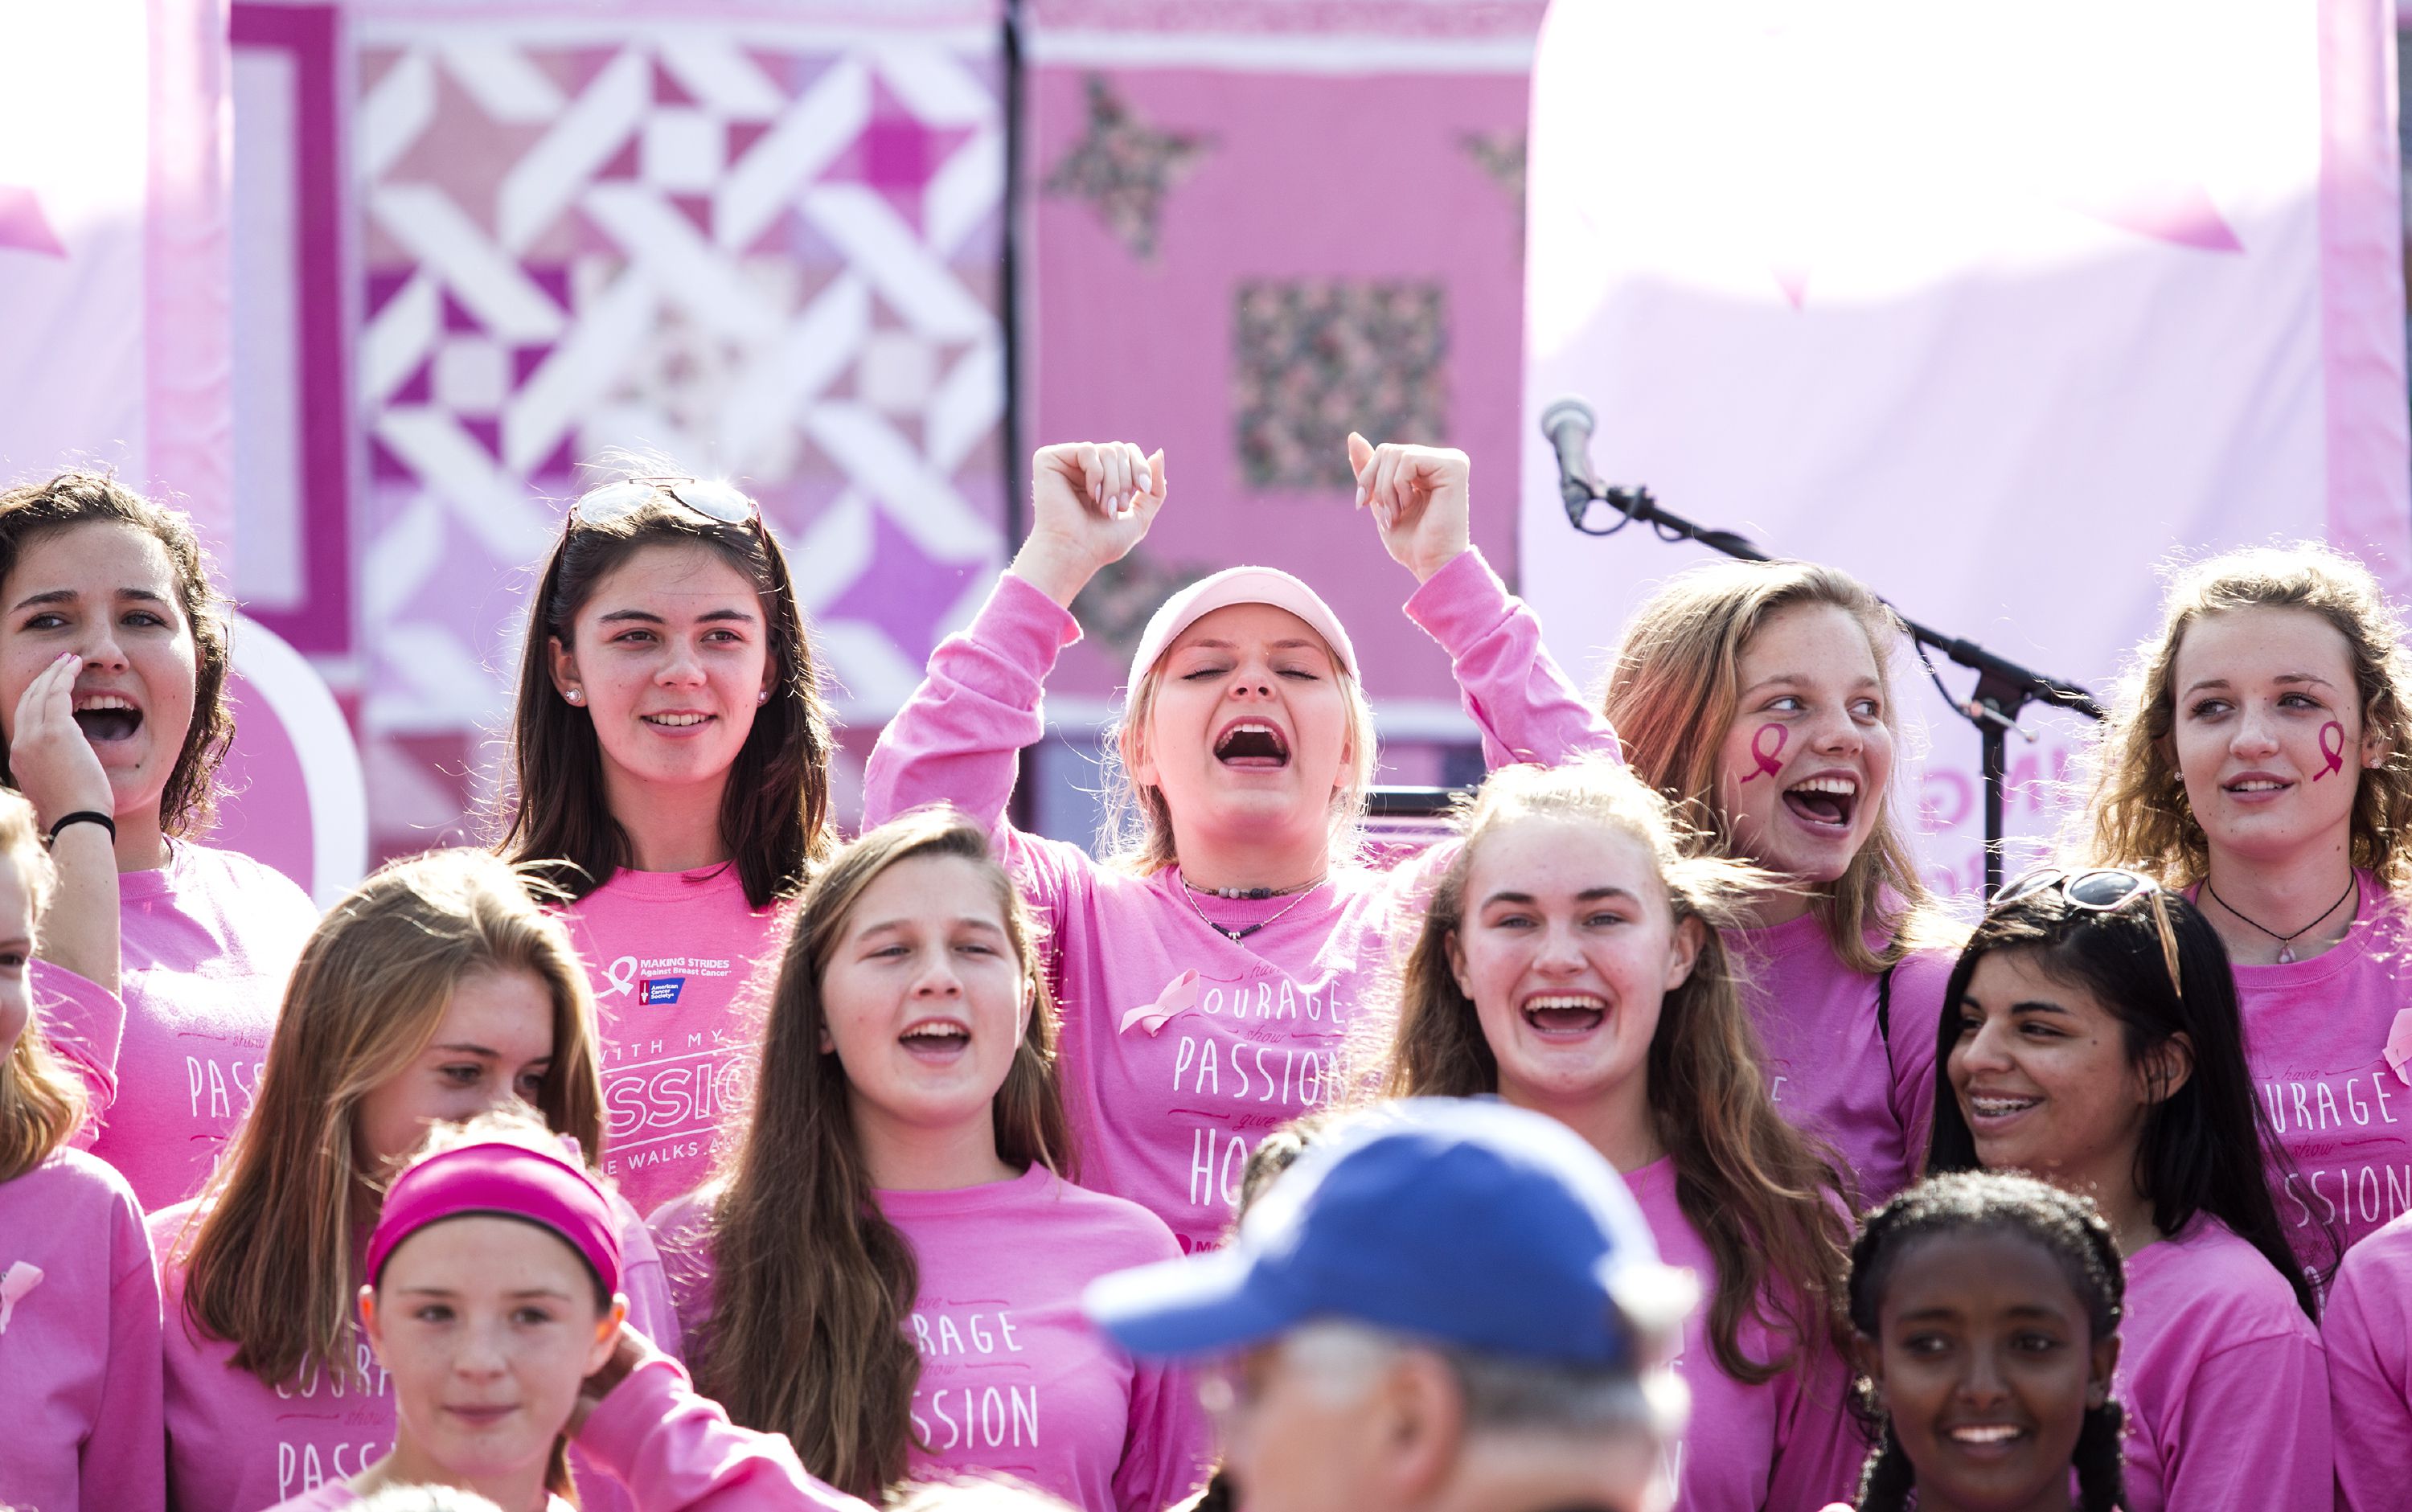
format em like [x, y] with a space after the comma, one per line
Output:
[2261, 760]
[78, 1298]
[1571, 963]
[1211, 970]
[1759, 697]
[492, 1303]
[437, 990]
[670, 774]
[2096, 1044]
[1987, 1308]
[889, 1274]
[162, 971]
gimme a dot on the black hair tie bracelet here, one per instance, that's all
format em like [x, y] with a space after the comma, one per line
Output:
[83, 817]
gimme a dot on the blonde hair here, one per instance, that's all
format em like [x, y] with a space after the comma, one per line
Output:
[2138, 814]
[1671, 695]
[1136, 830]
[271, 1264]
[1767, 1199]
[41, 1101]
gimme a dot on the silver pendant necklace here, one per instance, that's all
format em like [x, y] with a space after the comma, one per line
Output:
[2286, 941]
[1235, 936]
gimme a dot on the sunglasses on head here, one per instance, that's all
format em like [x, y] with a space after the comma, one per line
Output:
[2102, 891]
[722, 502]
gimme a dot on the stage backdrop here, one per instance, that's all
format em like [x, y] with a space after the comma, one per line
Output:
[1994, 308]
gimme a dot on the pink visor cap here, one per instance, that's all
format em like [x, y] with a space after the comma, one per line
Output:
[1239, 585]
[504, 1181]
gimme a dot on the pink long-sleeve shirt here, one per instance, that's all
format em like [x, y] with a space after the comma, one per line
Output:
[1181, 1048]
[2224, 1380]
[2368, 1328]
[1832, 1070]
[236, 1444]
[1014, 1380]
[79, 1407]
[673, 958]
[672, 1451]
[1788, 1442]
[172, 1058]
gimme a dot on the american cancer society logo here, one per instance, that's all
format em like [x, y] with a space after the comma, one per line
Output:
[661, 990]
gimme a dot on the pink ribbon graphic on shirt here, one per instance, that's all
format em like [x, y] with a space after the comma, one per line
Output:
[1768, 765]
[2335, 754]
[1178, 994]
[21, 1278]
[2399, 1046]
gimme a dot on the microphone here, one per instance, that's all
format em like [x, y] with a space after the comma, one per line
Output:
[1567, 424]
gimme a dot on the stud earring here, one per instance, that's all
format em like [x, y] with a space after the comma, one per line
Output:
[575, 695]
[763, 696]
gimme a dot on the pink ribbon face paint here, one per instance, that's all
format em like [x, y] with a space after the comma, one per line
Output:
[1768, 764]
[2331, 747]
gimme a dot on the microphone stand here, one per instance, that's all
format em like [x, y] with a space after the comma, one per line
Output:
[2003, 686]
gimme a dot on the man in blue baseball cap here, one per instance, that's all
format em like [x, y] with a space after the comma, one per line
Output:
[1446, 1305]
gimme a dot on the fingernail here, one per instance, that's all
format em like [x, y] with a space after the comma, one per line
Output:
[1146, 481]
[1360, 496]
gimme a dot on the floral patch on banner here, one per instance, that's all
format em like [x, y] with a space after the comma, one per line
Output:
[1125, 168]
[761, 250]
[1314, 359]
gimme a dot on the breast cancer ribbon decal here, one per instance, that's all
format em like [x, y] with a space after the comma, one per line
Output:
[2399, 1047]
[2334, 753]
[1768, 764]
[21, 1278]
[1178, 994]
[620, 977]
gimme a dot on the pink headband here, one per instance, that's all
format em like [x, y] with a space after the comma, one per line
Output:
[509, 1180]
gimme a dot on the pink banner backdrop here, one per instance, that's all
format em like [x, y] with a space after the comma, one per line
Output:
[1996, 309]
[1251, 229]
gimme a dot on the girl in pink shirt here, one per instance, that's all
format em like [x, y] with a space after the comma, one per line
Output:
[1761, 695]
[1571, 963]
[891, 1271]
[2261, 759]
[670, 774]
[493, 1302]
[1211, 971]
[2369, 1335]
[1987, 1307]
[437, 990]
[2096, 1045]
[161, 974]
[79, 1297]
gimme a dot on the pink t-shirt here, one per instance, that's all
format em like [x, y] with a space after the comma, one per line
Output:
[673, 957]
[2368, 1328]
[1181, 1048]
[173, 1058]
[235, 1445]
[1830, 1069]
[671, 1451]
[2316, 1038]
[1789, 1441]
[2224, 1380]
[79, 1343]
[1014, 1380]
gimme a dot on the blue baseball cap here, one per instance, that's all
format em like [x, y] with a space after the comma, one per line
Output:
[1458, 1220]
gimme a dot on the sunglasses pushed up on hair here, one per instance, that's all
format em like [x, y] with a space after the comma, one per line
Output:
[723, 502]
[2103, 889]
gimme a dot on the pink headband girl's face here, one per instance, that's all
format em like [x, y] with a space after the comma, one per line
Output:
[1804, 769]
[923, 999]
[1248, 733]
[2266, 729]
[487, 1326]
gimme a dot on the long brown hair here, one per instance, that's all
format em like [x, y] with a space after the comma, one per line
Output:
[1673, 689]
[811, 1284]
[1769, 1199]
[272, 1267]
[42, 1102]
[34, 511]
[775, 813]
[2139, 813]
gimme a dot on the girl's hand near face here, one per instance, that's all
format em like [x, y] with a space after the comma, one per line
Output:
[60, 773]
[1421, 499]
[1091, 502]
